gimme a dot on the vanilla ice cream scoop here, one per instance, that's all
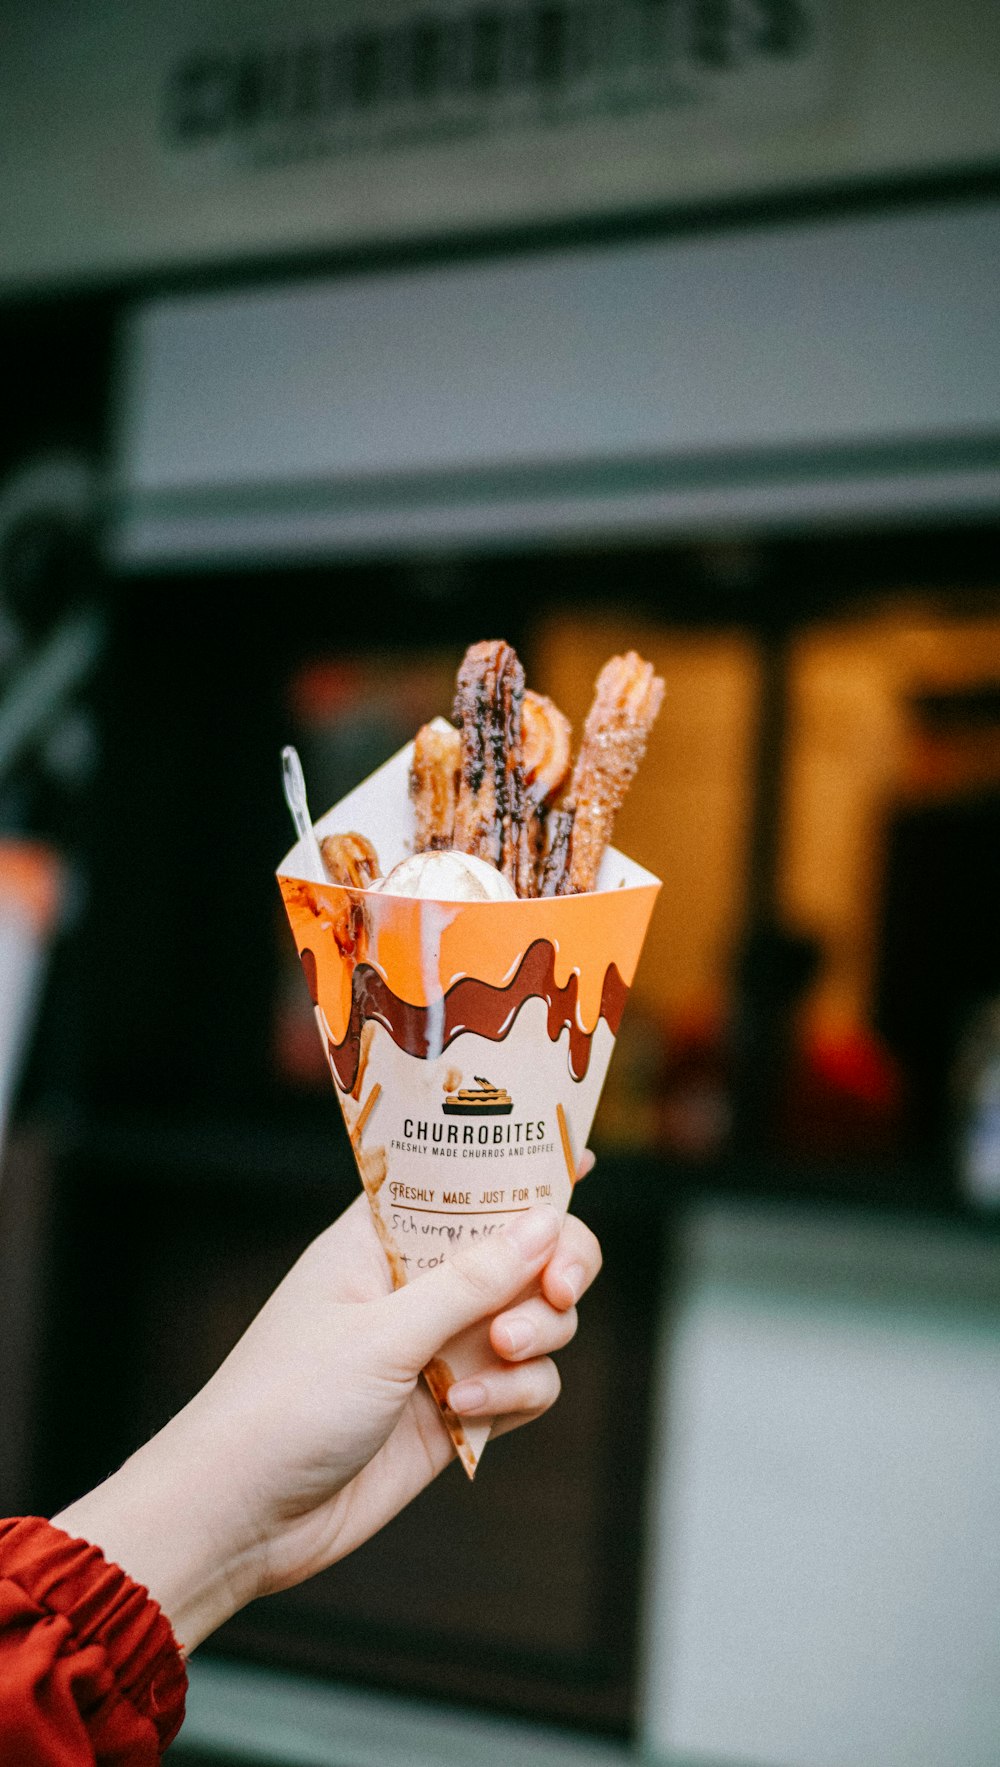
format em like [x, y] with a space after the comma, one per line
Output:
[447, 876]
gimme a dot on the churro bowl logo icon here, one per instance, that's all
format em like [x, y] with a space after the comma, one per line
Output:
[467, 1043]
[484, 1100]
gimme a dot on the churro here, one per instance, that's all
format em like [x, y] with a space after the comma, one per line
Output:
[434, 771]
[490, 811]
[627, 698]
[349, 859]
[492, 793]
[545, 738]
[554, 859]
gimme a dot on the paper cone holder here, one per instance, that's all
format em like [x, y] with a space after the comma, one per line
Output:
[468, 1045]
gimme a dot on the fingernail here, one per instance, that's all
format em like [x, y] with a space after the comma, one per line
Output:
[514, 1336]
[574, 1276]
[467, 1395]
[532, 1232]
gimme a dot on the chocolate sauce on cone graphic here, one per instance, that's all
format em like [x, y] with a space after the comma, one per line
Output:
[468, 1043]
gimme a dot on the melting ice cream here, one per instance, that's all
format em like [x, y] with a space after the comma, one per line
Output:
[447, 877]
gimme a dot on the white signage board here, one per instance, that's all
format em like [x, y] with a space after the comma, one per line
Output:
[751, 379]
[137, 137]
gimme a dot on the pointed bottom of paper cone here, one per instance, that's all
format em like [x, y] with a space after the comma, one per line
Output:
[469, 1438]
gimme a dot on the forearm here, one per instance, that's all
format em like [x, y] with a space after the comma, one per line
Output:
[166, 1517]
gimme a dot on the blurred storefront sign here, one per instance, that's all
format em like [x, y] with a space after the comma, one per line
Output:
[390, 76]
[206, 134]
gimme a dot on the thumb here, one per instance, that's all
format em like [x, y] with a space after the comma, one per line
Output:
[474, 1284]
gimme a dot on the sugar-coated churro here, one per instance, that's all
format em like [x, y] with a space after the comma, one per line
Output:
[434, 771]
[627, 697]
[349, 859]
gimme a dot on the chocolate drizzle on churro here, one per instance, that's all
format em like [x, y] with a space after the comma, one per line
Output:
[472, 1005]
[491, 811]
[555, 858]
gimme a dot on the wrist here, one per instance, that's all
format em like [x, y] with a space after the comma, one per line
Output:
[166, 1519]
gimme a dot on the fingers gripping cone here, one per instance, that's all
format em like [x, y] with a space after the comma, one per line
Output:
[468, 1043]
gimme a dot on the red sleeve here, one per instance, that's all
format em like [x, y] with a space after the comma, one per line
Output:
[90, 1671]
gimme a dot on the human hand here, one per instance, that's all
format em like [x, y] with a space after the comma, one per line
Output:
[316, 1430]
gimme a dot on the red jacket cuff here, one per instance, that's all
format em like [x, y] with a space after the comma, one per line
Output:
[104, 1607]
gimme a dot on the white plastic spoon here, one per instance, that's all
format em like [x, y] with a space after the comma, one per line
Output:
[294, 784]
